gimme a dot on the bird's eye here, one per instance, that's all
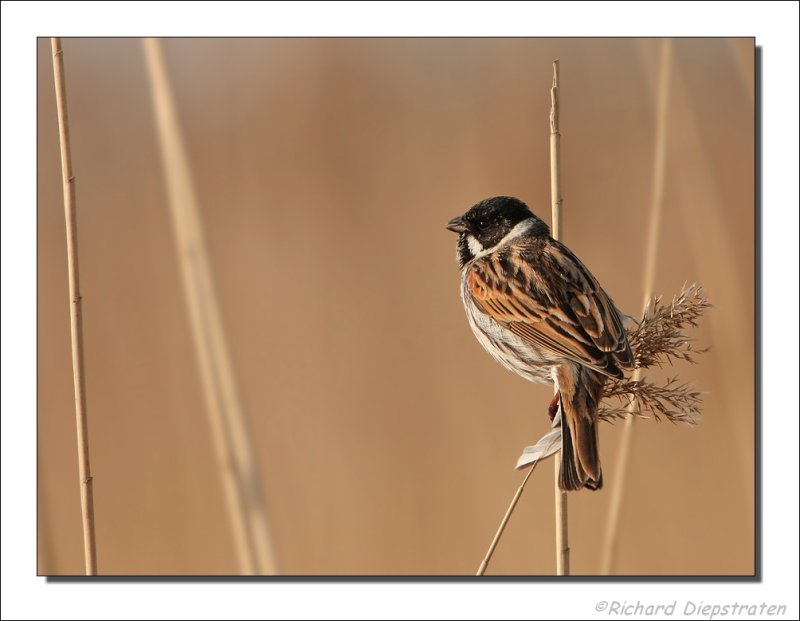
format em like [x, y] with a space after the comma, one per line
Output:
[482, 224]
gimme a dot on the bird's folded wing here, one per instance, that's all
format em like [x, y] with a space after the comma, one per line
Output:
[548, 298]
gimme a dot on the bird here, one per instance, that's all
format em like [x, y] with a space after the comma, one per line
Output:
[539, 311]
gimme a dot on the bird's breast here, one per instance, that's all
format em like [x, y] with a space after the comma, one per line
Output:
[506, 347]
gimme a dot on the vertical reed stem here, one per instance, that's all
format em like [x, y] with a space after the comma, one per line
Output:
[555, 154]
[76, 315]
[651, 255]
[562, 522]
[236, 460]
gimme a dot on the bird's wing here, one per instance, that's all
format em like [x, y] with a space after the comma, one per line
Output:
[542, 292]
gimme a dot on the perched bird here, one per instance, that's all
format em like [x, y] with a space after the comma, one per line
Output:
[539, 312]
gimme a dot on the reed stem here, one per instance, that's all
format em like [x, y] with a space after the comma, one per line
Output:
[226, 417]
[504, 521]
[76, 315]
[619, 482]
[561, 513]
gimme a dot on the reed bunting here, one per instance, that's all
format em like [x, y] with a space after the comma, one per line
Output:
[539, 312]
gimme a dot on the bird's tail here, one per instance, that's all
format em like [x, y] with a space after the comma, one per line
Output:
[580, 459]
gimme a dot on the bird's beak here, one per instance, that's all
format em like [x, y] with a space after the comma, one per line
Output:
[457, 225]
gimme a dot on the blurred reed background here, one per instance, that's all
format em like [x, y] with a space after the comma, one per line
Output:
[325, 170]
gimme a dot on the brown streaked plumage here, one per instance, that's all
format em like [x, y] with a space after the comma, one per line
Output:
[540, 312]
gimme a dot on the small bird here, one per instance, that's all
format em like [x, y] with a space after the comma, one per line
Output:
[539, 312]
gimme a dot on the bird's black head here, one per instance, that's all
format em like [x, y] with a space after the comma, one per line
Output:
[485, 225]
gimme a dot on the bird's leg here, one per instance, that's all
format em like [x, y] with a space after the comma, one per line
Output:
[553, 409]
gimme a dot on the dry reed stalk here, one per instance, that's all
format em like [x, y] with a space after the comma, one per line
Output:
[504, 521]
[562, 521]
[227, 420]
[76, 315]
[651, 255]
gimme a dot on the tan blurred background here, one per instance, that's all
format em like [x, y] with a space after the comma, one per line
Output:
[386, 438]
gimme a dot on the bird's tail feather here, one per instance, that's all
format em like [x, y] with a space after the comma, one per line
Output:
[580, 459]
